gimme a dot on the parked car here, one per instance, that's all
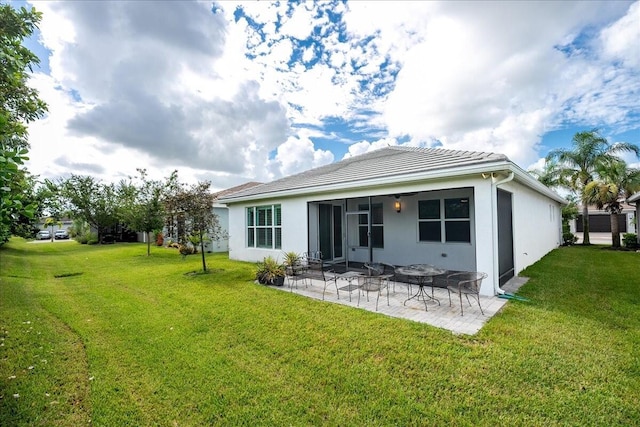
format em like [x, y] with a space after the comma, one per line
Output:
[43, 235]
[61, 234]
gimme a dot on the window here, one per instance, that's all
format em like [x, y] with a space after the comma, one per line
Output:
[377, 227]
[457, 223]
[429, 228]
[264, 227]
[451, 216]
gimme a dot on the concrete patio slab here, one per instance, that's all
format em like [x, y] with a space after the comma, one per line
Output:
[439, 315]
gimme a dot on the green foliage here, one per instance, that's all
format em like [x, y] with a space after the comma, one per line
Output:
[190, 213]
[143, 203]
[630, 240]
[269, 271]
[616, 182]
[15, 203]
[577, 167]
[19, 104]
[291, 259]
[568, 238]
[92, 201]
[87, 238]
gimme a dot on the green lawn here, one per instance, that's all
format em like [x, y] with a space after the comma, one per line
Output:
[107, 336]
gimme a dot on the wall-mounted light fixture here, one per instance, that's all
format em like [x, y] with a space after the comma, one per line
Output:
[396, 204]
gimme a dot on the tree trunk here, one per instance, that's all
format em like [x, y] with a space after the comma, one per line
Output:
[585, 225]
[204, 263]
[148, 243]
[615, 231]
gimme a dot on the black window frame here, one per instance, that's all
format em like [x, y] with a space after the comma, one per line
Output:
[452, 224]
[377, 228]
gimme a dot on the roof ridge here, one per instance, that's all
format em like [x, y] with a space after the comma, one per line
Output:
[444, 150]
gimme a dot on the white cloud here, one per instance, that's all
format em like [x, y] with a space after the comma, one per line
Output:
[298, 154]
[621, 39]
[214, 93]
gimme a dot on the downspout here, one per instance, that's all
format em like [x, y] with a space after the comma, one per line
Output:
[369, 231]
[494, 220]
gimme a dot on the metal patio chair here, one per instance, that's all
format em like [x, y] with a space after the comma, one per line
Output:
[466, 283]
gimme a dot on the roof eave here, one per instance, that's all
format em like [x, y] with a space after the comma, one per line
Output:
[479, 168]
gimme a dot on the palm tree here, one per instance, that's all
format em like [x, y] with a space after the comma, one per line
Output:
[579, 165]
[549, 175]
[617, 183]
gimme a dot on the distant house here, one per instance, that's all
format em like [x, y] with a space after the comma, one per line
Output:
[222, 244]
[222, 211]
[455, 209]
[635, 199]
[63, 224]
[600, 220]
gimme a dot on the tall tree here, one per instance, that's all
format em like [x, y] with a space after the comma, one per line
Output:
[578, 166]
[143, 203]
[192, 209]
[549, 175]
[19, 105]
[95, 202]
[617, 182]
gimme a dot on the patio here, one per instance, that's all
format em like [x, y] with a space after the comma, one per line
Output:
[441, 316]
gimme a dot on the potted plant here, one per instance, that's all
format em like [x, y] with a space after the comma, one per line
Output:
[270, 272]
[292, 263]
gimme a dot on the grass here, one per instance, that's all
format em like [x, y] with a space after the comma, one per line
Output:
[107, 336]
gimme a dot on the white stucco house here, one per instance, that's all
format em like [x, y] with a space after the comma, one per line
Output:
[221, 210]
[400, 205]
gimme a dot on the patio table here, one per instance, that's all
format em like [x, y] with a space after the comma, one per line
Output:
[424, 274]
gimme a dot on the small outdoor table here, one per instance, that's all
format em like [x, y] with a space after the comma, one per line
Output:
[349, 276]
[424, 276]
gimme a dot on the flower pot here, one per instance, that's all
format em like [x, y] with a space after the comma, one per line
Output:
[278, 281]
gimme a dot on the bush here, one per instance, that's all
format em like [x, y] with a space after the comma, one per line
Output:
[630, 240]
[568, 238]
[87, 238]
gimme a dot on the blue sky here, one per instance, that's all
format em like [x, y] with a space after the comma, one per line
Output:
[240, 91]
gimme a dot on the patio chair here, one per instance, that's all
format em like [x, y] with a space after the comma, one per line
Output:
[465, 283]
[382, 269]
[373, 284]
[316, 271]
[296, 273]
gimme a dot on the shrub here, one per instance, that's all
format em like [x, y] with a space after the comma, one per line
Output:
[568, 238]
[630, 240]
[186, 250]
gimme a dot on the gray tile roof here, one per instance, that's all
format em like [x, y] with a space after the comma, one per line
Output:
[385, 162]
[224, 193]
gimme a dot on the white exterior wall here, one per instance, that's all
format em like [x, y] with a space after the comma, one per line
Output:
[487, 238]
[537, 225]
[294, 230]
[401, 238]
[221, 245]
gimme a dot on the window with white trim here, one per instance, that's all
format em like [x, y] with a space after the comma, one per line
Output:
[444, 220]
[264, 227]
